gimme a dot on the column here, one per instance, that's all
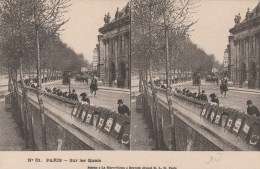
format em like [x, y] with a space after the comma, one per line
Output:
[116, 56]
[247, 58]
[108, 72]
[105, 62]
[236, 59]
[257, 54]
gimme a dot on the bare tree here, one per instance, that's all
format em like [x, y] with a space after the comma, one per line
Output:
[153, 23]
[26, 26]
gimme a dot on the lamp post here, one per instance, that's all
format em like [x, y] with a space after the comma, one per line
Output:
[69, 74]
[199, 83]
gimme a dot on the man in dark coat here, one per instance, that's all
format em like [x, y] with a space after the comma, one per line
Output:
[214, 98]
[93, 86]
[251, 109]
[74, 95]
[85, 97]
[203, 96]
[123, 109]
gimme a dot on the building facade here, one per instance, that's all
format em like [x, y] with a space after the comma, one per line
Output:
[114, 49]
[244, 45]
[225, 60]
[95, 59]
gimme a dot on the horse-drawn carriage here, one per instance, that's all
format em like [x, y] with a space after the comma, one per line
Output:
[81, 78]
[196, 79]
[212, 78]
[65, 77]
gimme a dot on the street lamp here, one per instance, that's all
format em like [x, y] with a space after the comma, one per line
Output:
[69, 73]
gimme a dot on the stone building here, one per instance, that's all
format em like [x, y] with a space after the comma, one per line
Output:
[225, 60]
[244, 45]
[114, 49]
[95, 59]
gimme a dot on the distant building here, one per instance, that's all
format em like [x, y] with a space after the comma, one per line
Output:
[114, 49]
[226, 60]
[84, 69]
[214, 70]
[245, 49]
[95, 59]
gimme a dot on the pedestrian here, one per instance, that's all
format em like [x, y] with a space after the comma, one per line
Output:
[86, 80]
[203, 96]
[93, 86]
[224, 87]
[65, 95]
[33, 86]
[85, 98]
[123, 109]
[74, 95]
[214, 98]
[252, 110]
[54, 90]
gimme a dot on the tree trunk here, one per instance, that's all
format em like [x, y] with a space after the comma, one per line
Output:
[47, 75]
[43, 76]
[166, 29]
[10, 88]
[40, 93]
[140, 82]
[155, 114]
[13, 76]
[28, 115]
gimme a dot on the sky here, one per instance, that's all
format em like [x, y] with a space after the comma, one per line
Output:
[215, 18]
[86, 17]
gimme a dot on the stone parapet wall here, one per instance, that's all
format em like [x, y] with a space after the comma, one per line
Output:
[64, 130]
[183, 127]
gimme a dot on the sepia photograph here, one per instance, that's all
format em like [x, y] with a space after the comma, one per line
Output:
[145, 83]
[195, 79]
[65, 75]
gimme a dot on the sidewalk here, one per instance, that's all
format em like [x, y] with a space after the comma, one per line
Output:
[244, 89]
[114, 89]
[180, 84]
[120, 90]
[139, 131]
[10, 138]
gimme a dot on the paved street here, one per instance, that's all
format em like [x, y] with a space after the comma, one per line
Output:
[105, 98]
[10, 138]
[235, 98]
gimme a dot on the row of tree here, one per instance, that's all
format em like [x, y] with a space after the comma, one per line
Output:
[29, 42]
[160, 37]
[160, 41]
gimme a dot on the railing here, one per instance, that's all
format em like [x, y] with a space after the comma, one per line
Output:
[227, 128]
[100, 124]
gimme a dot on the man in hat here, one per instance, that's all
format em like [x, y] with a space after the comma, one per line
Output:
[251, 109]
[214, 98]
[74, 95]
[203, 96]
[85, 97]
[123, 109]
[54, 90]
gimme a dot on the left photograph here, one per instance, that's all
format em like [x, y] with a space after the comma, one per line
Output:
[64, 75]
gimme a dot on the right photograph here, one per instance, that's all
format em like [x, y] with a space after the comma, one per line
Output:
[195, 75]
